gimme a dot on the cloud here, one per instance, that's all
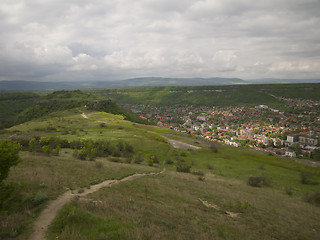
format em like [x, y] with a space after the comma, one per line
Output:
[116, 39]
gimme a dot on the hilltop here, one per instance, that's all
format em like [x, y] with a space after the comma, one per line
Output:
[39, 106]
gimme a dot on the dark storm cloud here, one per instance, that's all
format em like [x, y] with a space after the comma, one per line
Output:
[107, 40]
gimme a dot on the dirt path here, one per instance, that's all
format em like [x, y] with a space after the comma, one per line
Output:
[182, 145]
[49, 213]
[84, 115]
[211, 205]
[176, 143]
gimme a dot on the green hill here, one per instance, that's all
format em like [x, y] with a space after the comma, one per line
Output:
[11, 104]
[63, 100]
[239, 95]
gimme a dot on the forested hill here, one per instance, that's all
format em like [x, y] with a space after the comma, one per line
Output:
[59, 101]
[236, 95]
[134, 82]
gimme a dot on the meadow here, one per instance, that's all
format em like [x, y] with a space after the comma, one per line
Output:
[209, 199]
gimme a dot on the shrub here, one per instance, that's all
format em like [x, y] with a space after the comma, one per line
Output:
[312, 198]
[9, 156]
[99, 164]
[169, 161]
[198, 173]
[289, 191]
[75, 153]
[183, 167]
[32, 145]
[183, 154]
[150, 162]
[57, 150]
[155, 159]
[39, 198]
[214, 147]
[46, 149]
[138, 159]
[201, 178]
[114, 159]
[306, 177]
[129, 148]
[258, 181]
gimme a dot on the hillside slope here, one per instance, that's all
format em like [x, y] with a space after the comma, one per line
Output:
[203, 194]
[240, 95]
[63, 100]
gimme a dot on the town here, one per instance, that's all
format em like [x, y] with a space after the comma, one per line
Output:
[294, 133]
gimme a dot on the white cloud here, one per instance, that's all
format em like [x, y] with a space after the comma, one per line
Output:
[106, 40]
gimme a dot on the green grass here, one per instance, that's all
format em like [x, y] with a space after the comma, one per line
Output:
[156, 207]
[168, 207]
[38, 175]
[71, 218]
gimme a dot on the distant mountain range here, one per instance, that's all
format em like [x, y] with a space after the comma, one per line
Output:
[140, 82]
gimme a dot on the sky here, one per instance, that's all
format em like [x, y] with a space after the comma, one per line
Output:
[77, 40]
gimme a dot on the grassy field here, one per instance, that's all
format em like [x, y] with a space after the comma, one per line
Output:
[166, 206]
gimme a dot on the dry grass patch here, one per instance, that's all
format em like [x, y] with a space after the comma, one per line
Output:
[38, 178]
[167, 207]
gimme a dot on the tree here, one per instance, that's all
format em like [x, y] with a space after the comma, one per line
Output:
[316, 154]
[9, 156]
[46, 149]
[58, 149]
[296, 147]
[32, 145]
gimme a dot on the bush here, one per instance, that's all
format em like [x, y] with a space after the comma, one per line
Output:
[289, 191]
[198, 173]
[39, 198]
[99, 164]
[9, 156]
[114, 159]
[46, 149]
[306, 178]
[183, 167]
[138, 159]
[169, 161]
[210, 166]
[155, 159]
[201, 178]
[312, 198]
[183, 154]
[258, 181]
[214, 147]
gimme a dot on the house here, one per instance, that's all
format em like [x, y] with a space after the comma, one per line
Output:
[247, 132]
[201, 118]
[306, 140]
[291, 138]
[261, 107]
[290, 154]
[231, 143]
